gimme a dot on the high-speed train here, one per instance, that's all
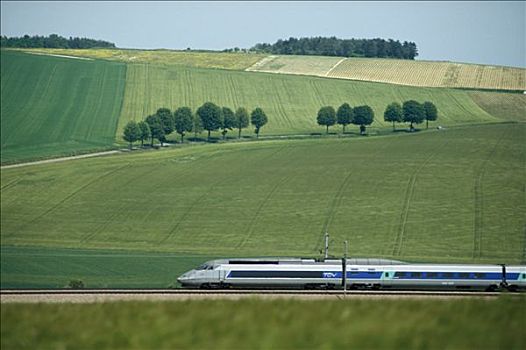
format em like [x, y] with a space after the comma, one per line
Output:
[359, 273]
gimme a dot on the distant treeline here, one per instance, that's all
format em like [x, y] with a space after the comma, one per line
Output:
[333, 46]
[53, 41]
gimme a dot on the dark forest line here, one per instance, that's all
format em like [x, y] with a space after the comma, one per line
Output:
[53, 41]
[322, 46]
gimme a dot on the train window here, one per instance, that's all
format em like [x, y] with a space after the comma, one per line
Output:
[447, 275]
[431, 274]
[463, 275]
[417, 274]
[399, 274]
[479, 275]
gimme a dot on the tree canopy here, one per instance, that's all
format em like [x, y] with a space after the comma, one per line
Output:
[363, 115]
[167, 120]
[431, 112]
[229, 120]
[258, 118]
[183, 121]
[344, 115]
[393, 113]
[145, 131]
[323, 46]
[131, 132]
[241, 120]
[414, 112]
[156, 128]
[210, 115]
[326, 117]
[53, 41]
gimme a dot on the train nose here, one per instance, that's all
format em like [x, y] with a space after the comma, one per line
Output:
[185, 277]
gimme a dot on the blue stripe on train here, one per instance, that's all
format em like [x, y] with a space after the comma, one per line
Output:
[371, 275]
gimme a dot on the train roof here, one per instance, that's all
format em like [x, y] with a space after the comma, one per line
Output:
[305, 261]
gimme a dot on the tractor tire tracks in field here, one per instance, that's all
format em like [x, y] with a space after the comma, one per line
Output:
[250, 227]
[73, 194]
[335, 204]
[404, 215]
[478, 200]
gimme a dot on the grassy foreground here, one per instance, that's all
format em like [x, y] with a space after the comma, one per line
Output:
[57, 106]
[264, 324]
[448, 195]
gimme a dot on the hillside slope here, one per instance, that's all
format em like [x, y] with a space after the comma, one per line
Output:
[291, 102]
[402, 72]
[52, 105]
[443, 195]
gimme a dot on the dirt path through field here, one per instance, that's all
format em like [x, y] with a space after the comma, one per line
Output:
[55, 160]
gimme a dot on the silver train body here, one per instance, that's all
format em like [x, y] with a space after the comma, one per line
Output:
[360, 273]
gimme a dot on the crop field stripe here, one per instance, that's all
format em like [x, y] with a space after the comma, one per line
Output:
[67, 105]
[478, 199]
[399, 238]
[72, 194]
[333, 67]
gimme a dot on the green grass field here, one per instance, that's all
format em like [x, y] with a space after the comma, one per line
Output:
[291, 102]
[37, 267]
[56, 106]
[453, 195]
[85, 102]
[265, 324]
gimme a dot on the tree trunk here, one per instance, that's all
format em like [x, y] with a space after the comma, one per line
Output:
[208, 135]
[394, 126]
[327, 129]
[427, 123]
[239, 134]
[152, 143]
[142, 143]
[344, 128]
[182, 138]
[130, 146]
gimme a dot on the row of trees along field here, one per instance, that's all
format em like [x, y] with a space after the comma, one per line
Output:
[322, 46]
[53, 41]
[209, 117]
[411, 112]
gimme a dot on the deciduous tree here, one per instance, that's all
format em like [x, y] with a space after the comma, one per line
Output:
[431, 112]
[326, 117]
[241, 120]
[131, 132]
[344, 115]
[210, 115]
[167, 120]
[229, 120]
[413, 113]
[183, 121]
[145, 131]
[258, 118]
[363, 115]
[393, 113]
[156, 128]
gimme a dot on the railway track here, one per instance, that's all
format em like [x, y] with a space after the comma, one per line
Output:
[106, 295]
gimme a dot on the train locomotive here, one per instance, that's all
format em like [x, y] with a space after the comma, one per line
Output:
[355, 273]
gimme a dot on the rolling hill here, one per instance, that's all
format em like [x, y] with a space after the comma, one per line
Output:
[75, 105]
[53, 106]
[443, 195]
[402, 72]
